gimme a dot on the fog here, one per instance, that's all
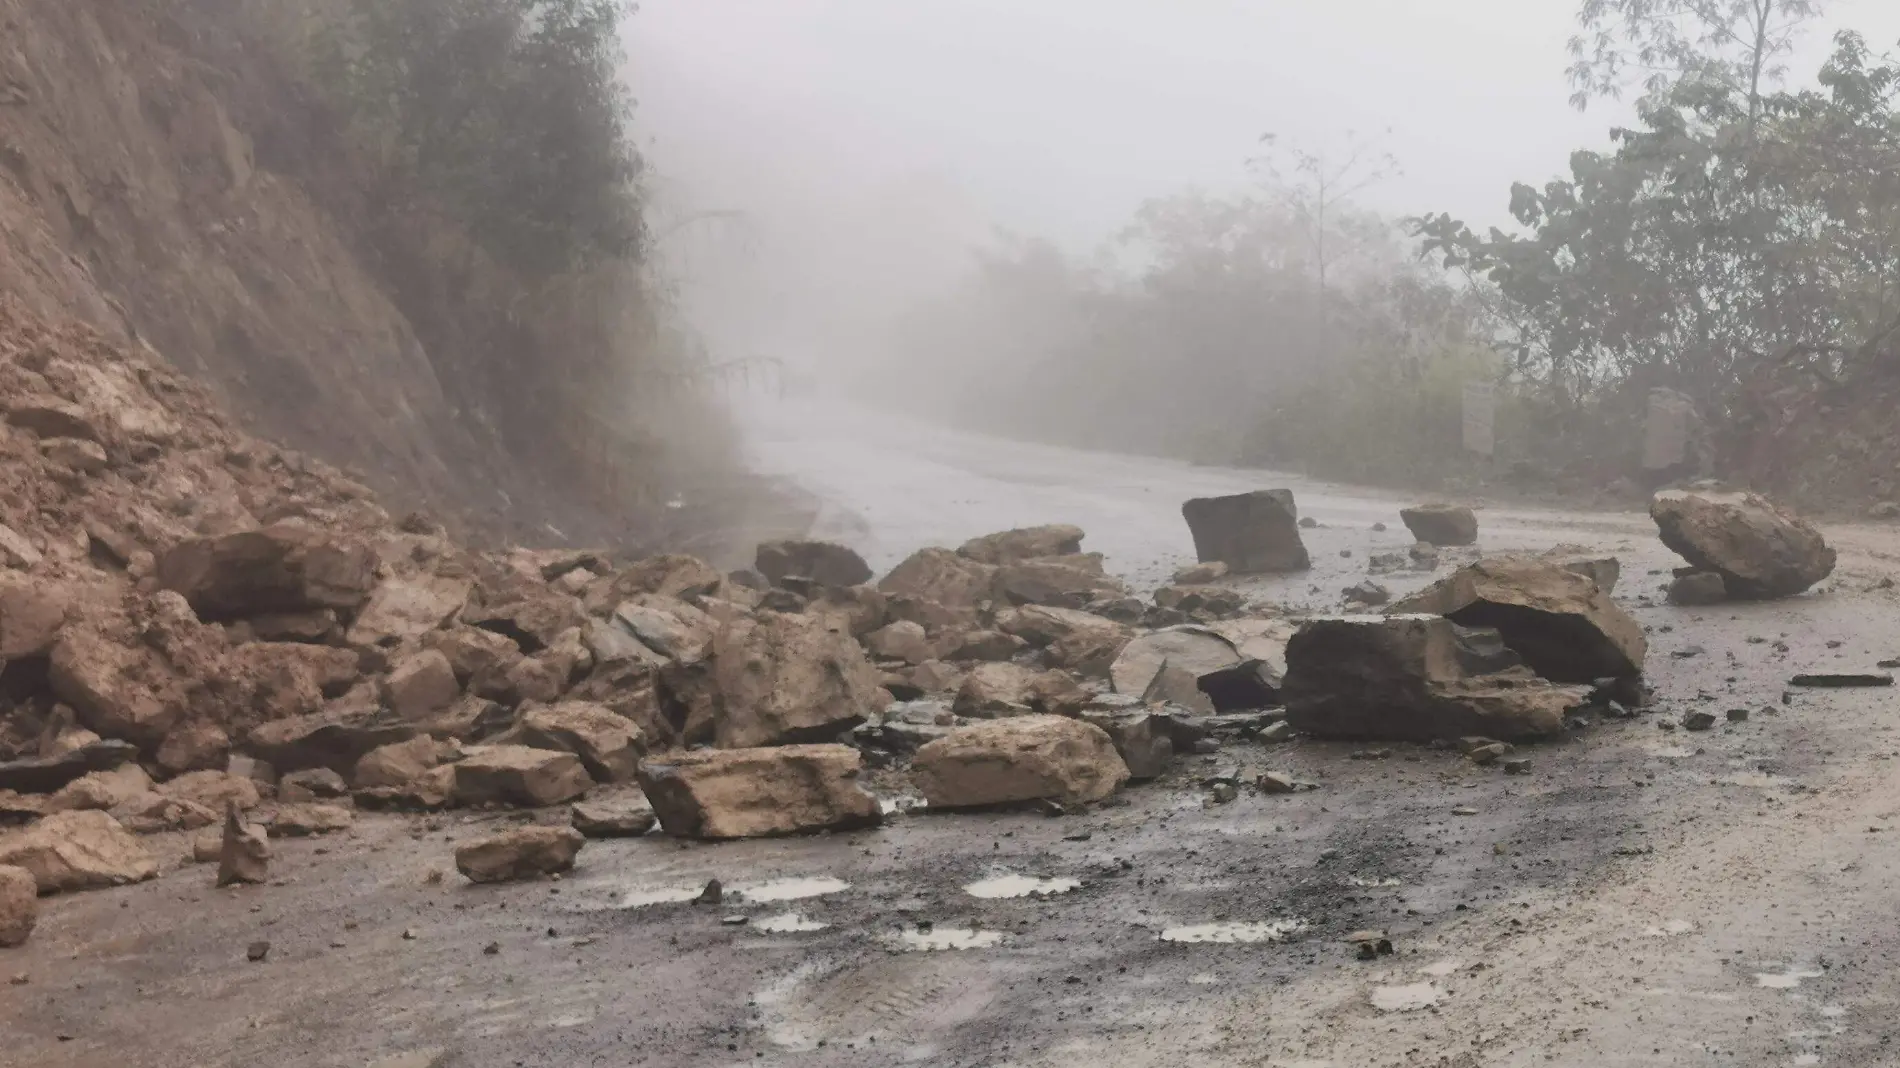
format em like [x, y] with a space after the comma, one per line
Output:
[857, 149]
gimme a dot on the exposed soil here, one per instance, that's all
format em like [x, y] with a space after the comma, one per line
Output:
[1642, 896]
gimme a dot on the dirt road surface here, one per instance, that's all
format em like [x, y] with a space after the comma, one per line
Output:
[1642, 897]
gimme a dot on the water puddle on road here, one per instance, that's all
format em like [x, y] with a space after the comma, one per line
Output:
[789, 923]
[666, 895]
[1007, 886]
[792, 889]
[1272, 931]
[1787, 979]
[1408, 998]
[1440, 969]
[1669, 927]
[940, 938]
[1758, 779]
[1369, 883]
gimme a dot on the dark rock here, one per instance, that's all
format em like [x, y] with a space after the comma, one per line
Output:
[1760, 549]
[823, 562]
[280, 568]
[1841, 679]
[1697, 588]
[44, 775]
[1441, 524]
[1249, 532]
[1561, 622]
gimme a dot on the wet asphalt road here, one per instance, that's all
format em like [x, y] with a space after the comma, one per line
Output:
[1642, 897]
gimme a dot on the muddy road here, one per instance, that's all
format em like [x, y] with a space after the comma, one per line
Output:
[1642, 897]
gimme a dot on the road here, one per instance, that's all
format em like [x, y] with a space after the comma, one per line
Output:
[1642, 897]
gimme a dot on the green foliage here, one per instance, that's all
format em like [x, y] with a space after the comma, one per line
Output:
[506, 114]
[1732, 44]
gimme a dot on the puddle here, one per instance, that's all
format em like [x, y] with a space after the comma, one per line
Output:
[572, 1019]
[1273, 931]
[1673, 751]
[1786, 980]
[1440, 969]
[1408, 998]
[792, 889]
[788, 923]
[949, 938]
[1203, 979]
[634, 899]
[1696, 995]
[1807, 1059]
[1832, 1011]
[1003, 886]
[1669, 927]
[1360, 881]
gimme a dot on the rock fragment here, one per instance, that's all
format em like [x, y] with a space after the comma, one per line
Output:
[627, 817]
[1027, 543]
[1249, 532]
[1561, 622]
[19, 905]
[1697, 588]
[825, 563]
[1441, 524]
[85, 850]
[1028, 758]
[243, 852]
[1760, 549]
[752, 793]
[519, 775]
[522, 853]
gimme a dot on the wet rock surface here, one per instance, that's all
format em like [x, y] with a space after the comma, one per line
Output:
[753, 793]
[1760, 549]
[523, 853]
[1028, 758]
[1249, 532]
[1441, 524]
[1564, 626]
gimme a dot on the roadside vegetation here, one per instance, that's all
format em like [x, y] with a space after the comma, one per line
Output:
[1740, 244]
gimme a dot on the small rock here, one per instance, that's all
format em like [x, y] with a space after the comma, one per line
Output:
[302, 821]
[491, 949]
[1737, 715]
[1698, 720]
[1840, 679]
[607, 818]
[1201, 574]
[522, 853]
[1516, 766]
[244, 853]
[311, 784]
[1487, 754]
[19, 905]
[733, 921]
[1697, 588]
[257, 951]
[713, 894]
[1463, 811]
[1223, 792]
[1308, 522]
[1275, 782]
[1367, 593]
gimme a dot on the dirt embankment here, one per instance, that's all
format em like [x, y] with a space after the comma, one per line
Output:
[165, 180]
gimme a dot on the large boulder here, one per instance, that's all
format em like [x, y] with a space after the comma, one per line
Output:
[668, 626]
[84, 850]
[609, 745]
[751, 793]
[324, 740]
[402, 764]
[285, 567]
[776, 680]
[902, 640]
[1559, 620]
[1249, 532]
[611, 817]
[521, 853]
[19, 905]
[403, 609]
[1409, 678]
[1441, 524]
[421, 685]
[519, 775]
[1023, 759]
[1760, 549]
[1237, 665]
[1026, 543]
[996, 690]
[1065, 581]
[941, 577]
[1076, 641]
[119, 690]
[534, 616]
[823, 562]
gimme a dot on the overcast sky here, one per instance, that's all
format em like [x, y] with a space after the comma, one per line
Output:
[824, 119]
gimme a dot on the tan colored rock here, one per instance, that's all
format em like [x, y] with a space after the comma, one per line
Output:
[421, 684]
[522, 853]
[934, 676]
[402, 763]
[280, 568]
[668, 626]
[46, 416]
[779, 680]
[213, 789]
[70, 851]
[1027, 543]
[1023, 759]
[858, 609]
[1205, 660]
[624, 817]
[1404, 678]
[1249, 532]
[990, 645]
[1441, 524]
[752, 793]
[942, 577]
[519, 775]
[196, 745]
[404, 609]
[16, 551]
[101, 789]
[474, 653]
[534, 617]
[313, 784]
[119, 691]
[325, 740]
[609, 746]
[1062, 581]
[74, 454]
[1602, 568]
[902, 640]
[1761, 549]
[997, 690]
[432, 789]
[1560, 621]
[309, 818]
[19, 905]
[243, 852]
[1201, 574]
[314, 627]
[154, 813]
[32, 611]
[825, 563]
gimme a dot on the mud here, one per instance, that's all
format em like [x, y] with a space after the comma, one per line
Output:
[1641, 897]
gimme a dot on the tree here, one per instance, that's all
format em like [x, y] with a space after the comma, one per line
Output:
[1318, 187]
[1734, 44]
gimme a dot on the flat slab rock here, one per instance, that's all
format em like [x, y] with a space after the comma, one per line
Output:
[761, 792]
[1009, 761]
[522, 853]
[86, 850]
[1559, 620]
